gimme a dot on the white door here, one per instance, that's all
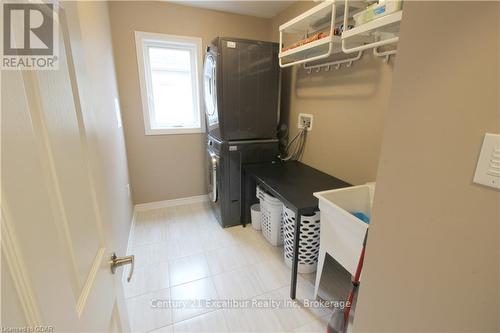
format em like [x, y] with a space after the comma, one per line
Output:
[55, 247]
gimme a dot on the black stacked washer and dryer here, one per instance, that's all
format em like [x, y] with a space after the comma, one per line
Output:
[241, 88]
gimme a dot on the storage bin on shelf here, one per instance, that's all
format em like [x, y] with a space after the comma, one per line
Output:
[377, 10]
[309, 240]
[271, 215]
[379, 23]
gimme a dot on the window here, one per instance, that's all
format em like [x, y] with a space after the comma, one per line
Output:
[169, 78]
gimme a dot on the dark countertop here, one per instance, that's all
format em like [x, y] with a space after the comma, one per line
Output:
[293, 182]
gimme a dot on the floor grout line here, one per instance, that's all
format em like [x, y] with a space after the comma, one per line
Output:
[240, 238]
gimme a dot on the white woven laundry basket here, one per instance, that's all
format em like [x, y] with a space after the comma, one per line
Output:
[271, 214]
[309, 240]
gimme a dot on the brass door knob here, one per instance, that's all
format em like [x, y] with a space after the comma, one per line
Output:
[120, 261]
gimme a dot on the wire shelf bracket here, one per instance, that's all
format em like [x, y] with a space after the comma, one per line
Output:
[384, 54]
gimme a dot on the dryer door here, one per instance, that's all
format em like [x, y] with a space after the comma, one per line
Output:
[210, 89]
[213, 166]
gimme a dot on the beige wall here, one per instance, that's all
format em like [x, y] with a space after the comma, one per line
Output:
[90, 37]
[166, 166]
[433, 258]
[348, 106]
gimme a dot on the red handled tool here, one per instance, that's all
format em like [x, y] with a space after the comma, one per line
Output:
[336, 324]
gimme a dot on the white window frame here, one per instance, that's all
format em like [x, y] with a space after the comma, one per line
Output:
[146, 39]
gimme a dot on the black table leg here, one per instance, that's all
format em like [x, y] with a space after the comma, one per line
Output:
[243, 197]
[248, 198]
[295, 263]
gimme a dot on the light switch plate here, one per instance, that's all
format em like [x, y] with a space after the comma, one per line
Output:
[488, 165]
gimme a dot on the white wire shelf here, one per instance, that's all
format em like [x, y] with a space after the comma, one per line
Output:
[313, 49]
[326, 17]
[319, 16]
[310, 20]
[386, 26]
[322, 17]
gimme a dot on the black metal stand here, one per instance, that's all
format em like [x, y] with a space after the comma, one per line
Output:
[294, 184]
[295, 263]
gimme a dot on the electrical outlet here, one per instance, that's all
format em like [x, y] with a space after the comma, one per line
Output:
[129, 192]
[305, 120]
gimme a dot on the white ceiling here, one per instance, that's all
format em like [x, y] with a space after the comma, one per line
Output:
[262, 8]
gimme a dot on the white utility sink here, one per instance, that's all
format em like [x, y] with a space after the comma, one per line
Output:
[342, 234]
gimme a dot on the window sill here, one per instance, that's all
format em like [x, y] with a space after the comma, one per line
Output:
[173, 131]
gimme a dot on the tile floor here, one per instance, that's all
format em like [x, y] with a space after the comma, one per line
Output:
[183, 254]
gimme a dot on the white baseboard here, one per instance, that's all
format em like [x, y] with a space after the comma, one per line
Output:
[170, 203]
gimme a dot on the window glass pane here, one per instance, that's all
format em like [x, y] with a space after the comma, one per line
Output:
[172, 88]
[169, 58]
[173, 102]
